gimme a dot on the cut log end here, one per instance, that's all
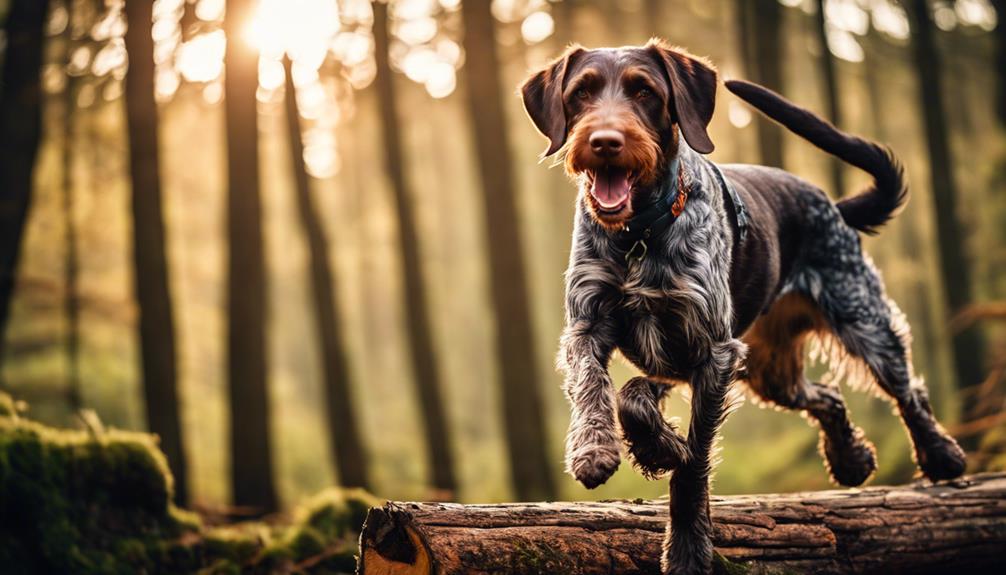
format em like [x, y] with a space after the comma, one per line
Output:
[389, 545]
[910, 529]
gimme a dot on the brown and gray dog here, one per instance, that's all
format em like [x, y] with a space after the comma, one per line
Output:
[713, 274]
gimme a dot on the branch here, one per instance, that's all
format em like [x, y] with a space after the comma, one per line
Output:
[975, 312]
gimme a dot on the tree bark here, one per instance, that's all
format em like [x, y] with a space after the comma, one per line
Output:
[831, 91]
[20, 132]
[760, 28]
[959, 527]
[151, 283]
[954, 264]
[347, 449]
[518, 366]
[250, 442]
[426, 372]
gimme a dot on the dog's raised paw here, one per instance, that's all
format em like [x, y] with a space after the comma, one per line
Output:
[593, 466]
[658, 455]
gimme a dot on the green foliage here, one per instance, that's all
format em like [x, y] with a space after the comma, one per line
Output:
[100, 502]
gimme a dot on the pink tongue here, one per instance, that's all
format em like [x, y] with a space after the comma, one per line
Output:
[611, 187]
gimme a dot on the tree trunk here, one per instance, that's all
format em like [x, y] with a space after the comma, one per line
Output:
[71, 299]
[959, 527]
[20, 131]
[1000, 6]
[563, 14]
[760, 27]
[250, 441]
[954, 265]
[518, 366]
[153, 297]
[831, 92]
[424, 358]
[347, 450]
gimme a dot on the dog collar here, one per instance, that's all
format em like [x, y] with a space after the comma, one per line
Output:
[656, 218]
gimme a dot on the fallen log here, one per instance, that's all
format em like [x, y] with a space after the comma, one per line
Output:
[957, 527]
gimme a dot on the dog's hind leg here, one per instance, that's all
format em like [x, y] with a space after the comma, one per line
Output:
[655, 446]
[774, 371]
[881, 340]
[872, 329]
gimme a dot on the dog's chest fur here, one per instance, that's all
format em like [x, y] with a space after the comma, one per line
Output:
[675, 302]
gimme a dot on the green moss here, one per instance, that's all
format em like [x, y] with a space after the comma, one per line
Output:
[724, 566]
[325, 529]
[9, 407]
[99, 501]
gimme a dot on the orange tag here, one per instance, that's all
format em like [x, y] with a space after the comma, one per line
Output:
[679, 203]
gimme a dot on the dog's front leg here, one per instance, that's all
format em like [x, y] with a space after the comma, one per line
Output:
[688, 547]
[592, 443]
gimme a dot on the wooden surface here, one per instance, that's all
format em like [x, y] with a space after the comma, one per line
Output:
[958, 527]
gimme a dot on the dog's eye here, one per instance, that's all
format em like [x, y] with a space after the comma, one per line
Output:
[643, 93]
[581, 94]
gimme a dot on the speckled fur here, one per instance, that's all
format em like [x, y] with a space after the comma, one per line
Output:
[671, 316]
[706, 308]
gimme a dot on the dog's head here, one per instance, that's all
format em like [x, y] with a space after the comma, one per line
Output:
[615, 113]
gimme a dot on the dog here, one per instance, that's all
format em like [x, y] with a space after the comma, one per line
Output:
[713, 275]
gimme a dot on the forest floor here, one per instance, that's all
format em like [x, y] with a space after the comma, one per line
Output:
[100, 501]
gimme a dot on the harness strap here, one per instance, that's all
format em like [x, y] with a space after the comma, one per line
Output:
[740, 210]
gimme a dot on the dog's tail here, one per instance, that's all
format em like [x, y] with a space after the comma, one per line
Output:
[866, 211]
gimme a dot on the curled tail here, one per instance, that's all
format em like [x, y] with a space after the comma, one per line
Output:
[871, 208]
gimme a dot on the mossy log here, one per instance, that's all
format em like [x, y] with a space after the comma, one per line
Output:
[99, 501]
[958, 527]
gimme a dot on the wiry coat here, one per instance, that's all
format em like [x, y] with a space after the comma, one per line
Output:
[708, 304]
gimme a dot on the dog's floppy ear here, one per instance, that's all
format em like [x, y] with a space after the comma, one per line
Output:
[542, 95]
[693, 83]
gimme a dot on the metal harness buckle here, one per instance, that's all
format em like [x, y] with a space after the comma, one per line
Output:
[638, 250]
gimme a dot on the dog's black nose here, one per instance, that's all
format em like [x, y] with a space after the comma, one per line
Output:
[607, 143]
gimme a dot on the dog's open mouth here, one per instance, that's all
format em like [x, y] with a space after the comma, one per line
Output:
[610, 187]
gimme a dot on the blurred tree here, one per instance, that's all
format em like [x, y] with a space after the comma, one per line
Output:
[344, 436]
[71, 300]
[954, 263]
[20, 130]
[518, 366]
[760, 27]
[1000, 6]
[563, 14]
[153, 297]
[652, 13]
[831, 91]
[424, 360]
[250, 442]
